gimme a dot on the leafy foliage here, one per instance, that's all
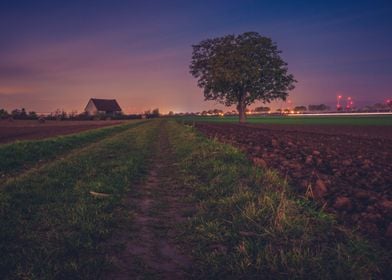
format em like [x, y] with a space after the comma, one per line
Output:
[300, 108]
[262, 109]
[320, 107]
[239, 70]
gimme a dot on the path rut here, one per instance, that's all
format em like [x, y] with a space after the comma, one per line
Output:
[151, 250]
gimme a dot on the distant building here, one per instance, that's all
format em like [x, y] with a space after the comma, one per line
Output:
[102, 106]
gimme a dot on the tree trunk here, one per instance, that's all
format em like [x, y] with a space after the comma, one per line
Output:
[241, 107]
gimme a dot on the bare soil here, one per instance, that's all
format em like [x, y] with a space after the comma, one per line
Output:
[150, 247]
[346, 169]
[28, 130]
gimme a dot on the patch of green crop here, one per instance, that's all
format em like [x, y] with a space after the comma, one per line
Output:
[51, 225]
[300, 120]
[19, 155]
[249, 225]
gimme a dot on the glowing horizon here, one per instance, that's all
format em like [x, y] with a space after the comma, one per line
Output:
[58, 55]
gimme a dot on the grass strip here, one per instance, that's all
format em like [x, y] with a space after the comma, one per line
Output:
[15, 157]
[249, 224]
[299, 120]
[51, 225]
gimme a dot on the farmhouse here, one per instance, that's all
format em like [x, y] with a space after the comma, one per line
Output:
[102, 106]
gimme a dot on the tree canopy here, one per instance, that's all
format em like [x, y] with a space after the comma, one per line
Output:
[318, 107]
[239, 70]
[300, 108]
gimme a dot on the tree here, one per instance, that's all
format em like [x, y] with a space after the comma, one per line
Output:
[152, 114]
[300, 108]
[239, 70]
[32, 115]
[3, 114]
[262, 109]
[155, 113]
[320, 107]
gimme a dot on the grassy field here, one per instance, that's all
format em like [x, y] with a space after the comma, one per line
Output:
[302, 120]
[51, 226]
[23, 154]
[247, 223]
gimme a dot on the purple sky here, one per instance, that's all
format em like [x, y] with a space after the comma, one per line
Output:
[58, 54]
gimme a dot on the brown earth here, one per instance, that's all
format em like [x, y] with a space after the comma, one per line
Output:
[150, 248]
[28, 130]
[348, 171]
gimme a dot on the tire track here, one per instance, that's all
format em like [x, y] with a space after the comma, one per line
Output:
[150, 247]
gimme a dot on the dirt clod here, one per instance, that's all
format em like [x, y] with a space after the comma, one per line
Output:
[342, 203]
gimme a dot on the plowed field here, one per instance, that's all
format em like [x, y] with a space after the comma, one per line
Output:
[347, 169]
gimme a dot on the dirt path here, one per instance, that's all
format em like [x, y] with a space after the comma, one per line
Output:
[151, 250]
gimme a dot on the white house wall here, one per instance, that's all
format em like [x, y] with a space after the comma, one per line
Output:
[90, 108]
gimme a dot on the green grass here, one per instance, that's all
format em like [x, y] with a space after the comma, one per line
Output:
[250, 225]
[301, 120]
[20, 155]
[52, 227]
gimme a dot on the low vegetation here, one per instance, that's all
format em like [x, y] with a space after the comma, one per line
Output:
[249, 224]
[58, 219]
[52, 227]
[20, 155]
[300, 120]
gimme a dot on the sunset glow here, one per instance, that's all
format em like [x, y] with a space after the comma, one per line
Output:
[58, 54]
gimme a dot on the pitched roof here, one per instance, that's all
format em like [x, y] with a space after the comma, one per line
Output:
[108, 105]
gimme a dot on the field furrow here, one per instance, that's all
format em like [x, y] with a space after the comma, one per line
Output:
[53, 220]
[20, 156]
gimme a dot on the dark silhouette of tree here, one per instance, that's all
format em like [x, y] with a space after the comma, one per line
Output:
[262, 109]
[239, 70]
[320, 107]
[300, 108]
[3, 114]
[32, 115]
[155, 112]
[152, 114]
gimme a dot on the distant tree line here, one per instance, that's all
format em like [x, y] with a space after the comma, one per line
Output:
[379, 107]
[18, 114]
[262, 109]
[22, 114]
[319, 107]
[152, 114]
